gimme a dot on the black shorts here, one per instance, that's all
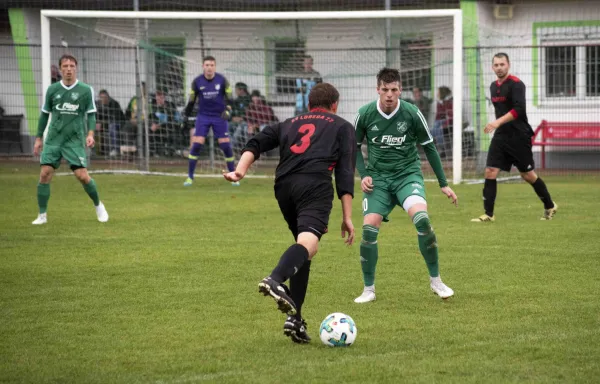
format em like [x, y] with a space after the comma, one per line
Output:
[305, 203]
[505, 151]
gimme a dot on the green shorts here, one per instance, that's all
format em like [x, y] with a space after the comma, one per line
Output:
[75, 156]
[389, 193]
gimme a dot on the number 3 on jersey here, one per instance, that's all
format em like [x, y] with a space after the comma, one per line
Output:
[308, 130]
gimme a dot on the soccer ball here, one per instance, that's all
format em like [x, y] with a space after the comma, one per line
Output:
[338, 330]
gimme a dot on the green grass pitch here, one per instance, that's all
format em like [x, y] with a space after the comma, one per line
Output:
[166, 291]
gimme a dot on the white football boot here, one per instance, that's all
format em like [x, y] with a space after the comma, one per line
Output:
[367, 295]
[41, 219]
[101, 213]
[439, 288]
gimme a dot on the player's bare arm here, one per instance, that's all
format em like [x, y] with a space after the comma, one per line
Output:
[37, 146]
[344, 177]
[264, 141]
[347, 226]
[451, 195]
[242, 168]
[492, 126]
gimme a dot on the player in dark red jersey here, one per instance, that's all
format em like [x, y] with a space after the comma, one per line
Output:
[312, 146]
[511, 143]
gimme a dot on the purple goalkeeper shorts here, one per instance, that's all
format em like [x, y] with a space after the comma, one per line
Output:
[219, 126]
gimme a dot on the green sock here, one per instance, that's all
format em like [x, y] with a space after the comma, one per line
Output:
[90, 189]
[427, 242]
[368, 253]
[43, 195]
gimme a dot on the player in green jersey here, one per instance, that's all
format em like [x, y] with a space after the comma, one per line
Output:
[392, 129]
[69, 101]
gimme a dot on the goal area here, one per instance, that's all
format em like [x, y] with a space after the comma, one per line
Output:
[146, 61]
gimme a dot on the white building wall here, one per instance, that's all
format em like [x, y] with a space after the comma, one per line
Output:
[108, 61]
[515, 37]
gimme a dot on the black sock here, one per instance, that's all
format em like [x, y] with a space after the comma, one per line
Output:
[299, 285]
[490, 188]
[290, 263]
[540, 188]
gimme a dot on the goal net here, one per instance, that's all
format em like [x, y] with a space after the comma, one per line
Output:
[141, 65]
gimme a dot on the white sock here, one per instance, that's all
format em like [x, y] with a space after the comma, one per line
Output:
[370, 288]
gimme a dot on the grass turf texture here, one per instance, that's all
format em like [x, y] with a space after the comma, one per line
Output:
[166, 291]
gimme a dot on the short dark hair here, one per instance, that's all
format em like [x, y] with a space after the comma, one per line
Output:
[501, 55]
[208, 58]
[444, 92]
[388, 75]
[103, 91]
[66, 56]
[323, 95]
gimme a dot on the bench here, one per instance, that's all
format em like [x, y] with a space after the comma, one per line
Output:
[565, 134]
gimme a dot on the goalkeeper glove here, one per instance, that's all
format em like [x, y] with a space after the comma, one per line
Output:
[184, 123]
[226, 114]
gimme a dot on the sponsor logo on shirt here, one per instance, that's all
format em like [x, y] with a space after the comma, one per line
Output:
[390, 141]
[67, 108]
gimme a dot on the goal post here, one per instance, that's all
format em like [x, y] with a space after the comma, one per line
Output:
[456, 30]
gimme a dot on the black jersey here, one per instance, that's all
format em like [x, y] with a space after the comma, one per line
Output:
[509, 96]
[315, 143]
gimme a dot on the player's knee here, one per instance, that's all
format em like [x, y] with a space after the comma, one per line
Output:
[310, 241]
[373, 219]
[82, 175]
[529, 177]
[198, 139]
[491, 173]
[45, 177]
[46, 174]
[369, 234]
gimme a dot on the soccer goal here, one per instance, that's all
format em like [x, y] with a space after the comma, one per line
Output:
[146, 61]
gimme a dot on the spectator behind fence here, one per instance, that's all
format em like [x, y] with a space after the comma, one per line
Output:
[422, 102]
[55, 74]
[164, 132]
[129, 132]
[238, 129]
[259, 114]
[109, 119]
[442, 126]
[304, 83]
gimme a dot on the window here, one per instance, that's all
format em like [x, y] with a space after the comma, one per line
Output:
[569, 63]
[592, 70]
[287, 58]
[561, 71]
[415, 62]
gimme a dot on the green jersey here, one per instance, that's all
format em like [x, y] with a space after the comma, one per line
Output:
[391, 139]
[69, 107]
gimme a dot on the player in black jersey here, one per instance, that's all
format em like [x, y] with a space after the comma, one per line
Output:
[312, 146]
[511, 143]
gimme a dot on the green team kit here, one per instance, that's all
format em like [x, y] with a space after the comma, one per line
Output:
[393, 158]
[67, 131]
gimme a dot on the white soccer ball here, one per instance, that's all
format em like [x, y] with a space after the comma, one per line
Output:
[338, 330]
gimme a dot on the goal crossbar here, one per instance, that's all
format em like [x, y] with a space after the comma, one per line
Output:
[457, 45]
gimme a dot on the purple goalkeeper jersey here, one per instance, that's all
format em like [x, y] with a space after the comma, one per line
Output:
[213, 94]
